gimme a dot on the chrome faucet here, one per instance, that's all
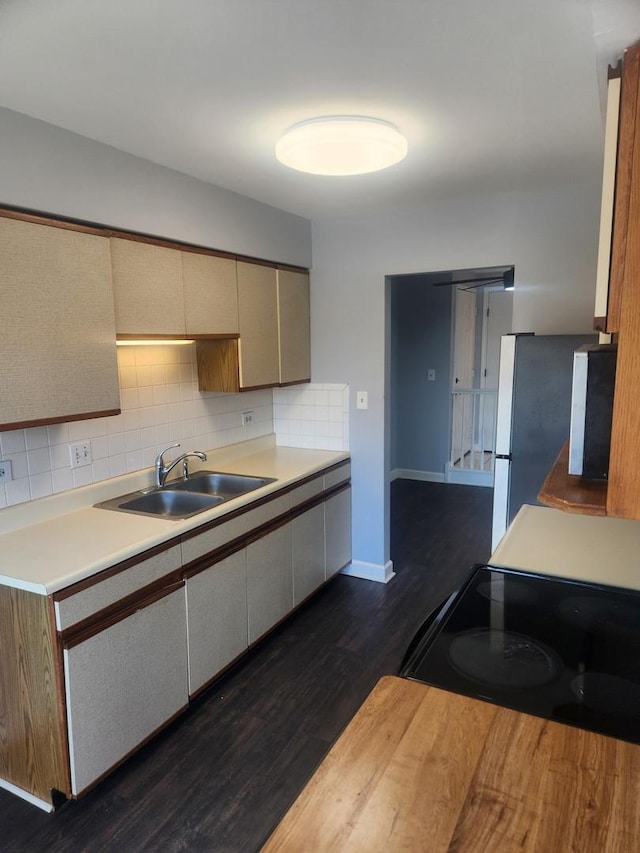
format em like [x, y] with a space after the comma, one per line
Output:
[162, 470]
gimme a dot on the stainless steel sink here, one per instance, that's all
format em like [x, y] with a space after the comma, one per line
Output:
[184, 498]
[163, 503]
[226, 486]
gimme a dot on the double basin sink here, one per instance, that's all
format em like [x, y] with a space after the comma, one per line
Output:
[178, 499]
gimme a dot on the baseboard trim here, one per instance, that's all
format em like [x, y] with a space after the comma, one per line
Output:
[470, 478]
[410, 474]
[370, 571]
[25, 795]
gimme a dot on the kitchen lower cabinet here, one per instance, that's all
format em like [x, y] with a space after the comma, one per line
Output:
[123, 683]
[217, 618]
[308, 553]
[269, 580]
[337, 518]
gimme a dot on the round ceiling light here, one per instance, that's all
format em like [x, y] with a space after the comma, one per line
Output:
[341, 145]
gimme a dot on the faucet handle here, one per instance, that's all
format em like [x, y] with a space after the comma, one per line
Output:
[159, 459]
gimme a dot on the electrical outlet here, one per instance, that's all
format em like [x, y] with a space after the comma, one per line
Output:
[80, 454]
[5, 471]
[247, 418]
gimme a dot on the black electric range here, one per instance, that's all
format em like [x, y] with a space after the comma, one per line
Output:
[564, 650]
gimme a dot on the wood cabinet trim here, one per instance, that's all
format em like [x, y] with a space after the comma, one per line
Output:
[33, 756]
[99, 230]
[570, 492]
[121, 609]
[105, 574]
[59, 419]
[628, 132]
[216, 522]
[201, 564]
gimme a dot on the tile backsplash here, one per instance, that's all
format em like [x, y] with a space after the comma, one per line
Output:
[315, 415]
[161, 404]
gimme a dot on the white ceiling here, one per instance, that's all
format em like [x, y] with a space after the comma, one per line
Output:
[490, 94]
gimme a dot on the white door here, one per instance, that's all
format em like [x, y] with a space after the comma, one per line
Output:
[462, 379]
[497, 321]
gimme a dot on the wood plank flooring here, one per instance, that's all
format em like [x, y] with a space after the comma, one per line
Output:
[222, 776]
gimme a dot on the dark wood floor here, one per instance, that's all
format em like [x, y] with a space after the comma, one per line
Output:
[221, 777]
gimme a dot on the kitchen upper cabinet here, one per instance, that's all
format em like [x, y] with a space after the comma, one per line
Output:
[57, 347]
[293, 327]
[148, 289]
[210, 294]
[273, 320]
[258, 316]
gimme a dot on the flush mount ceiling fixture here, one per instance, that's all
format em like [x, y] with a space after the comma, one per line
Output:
[341, 145]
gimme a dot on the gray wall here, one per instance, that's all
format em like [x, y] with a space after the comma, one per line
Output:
[48, 169]
[550, 233]
[421, 339]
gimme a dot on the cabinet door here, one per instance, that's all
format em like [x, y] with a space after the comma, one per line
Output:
[122, 684]
[308, 553]
[210, 294]
[269, 581]
[217, 618]
[338, 532]
[57, 347]
[258, 324]
[293, 326]
[147, 287]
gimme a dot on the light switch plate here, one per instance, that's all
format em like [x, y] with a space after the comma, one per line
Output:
[362, 399]
[6, 474]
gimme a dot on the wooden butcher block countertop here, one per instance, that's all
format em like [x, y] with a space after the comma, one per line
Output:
[422, 769]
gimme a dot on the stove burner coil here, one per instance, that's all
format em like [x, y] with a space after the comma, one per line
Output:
[503, 659]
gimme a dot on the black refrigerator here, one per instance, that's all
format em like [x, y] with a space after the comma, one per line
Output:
[533, 417]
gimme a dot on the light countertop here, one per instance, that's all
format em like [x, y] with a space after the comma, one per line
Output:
[579, 547]
[53, 542]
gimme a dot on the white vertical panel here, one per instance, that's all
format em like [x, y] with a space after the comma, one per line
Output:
[608, 188]
[505, 393]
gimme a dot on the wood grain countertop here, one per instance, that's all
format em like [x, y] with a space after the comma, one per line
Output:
[422, 769]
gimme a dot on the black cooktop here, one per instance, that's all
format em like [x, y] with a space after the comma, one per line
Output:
[559, 649]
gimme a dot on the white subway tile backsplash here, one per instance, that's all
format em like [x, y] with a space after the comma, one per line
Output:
[313, 416]
[161, 404]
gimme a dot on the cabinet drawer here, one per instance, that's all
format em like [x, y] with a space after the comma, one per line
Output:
[72, 608]
[338, 475]
[307, 491]
[220, 535]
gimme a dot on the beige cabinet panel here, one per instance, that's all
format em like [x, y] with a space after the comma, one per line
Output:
[57, 347]
[269, 581]
[217, 618]
[258, 324]
[308, 553]
[337, 517]
[122, 684]
[210, 294]
[293, 326]
[147, 287]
